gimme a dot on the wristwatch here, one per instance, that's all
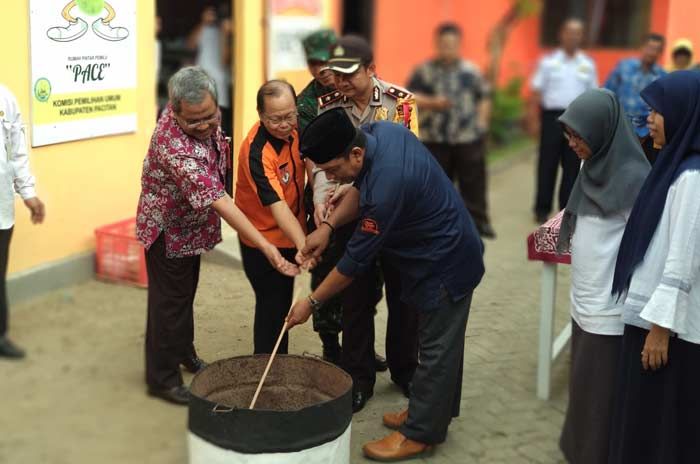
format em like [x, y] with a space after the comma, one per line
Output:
[315, 304]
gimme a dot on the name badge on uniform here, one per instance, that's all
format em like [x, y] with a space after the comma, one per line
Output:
[285, 176]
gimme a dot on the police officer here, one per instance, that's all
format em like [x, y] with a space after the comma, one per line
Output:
[365, 99]
[409, 211]
[328, 320]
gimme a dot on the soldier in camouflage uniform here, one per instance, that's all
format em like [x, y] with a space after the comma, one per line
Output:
[327, 321]
[317, 47]
[366, 99]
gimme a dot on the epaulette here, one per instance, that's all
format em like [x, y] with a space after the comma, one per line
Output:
[396, 92]
[327, 99]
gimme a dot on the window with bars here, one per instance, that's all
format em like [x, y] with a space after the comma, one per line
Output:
[609, 23]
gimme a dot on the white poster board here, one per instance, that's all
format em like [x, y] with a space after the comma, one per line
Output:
[83, 59]
[289, 22]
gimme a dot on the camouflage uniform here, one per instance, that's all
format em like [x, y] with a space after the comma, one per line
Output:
[328, 320]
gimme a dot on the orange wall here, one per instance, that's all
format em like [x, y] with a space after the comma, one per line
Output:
[403, 34]
[683, 21]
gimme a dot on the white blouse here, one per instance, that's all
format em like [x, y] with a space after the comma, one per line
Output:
[594, 247]
[665, 288]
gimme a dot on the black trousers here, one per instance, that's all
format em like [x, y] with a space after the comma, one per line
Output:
[359, 301]
[172, 284]
[357, 358]
[554, 151]
[273, 298]
[401, 329]
[5, 238]
[437, 384]
[466, 162]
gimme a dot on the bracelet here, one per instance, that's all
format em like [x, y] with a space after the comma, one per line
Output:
[329, 225]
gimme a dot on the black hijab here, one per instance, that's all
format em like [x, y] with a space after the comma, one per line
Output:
[676, 97]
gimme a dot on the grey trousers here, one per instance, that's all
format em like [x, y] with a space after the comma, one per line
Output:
[437, 383]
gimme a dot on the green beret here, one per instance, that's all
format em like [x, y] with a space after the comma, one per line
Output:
[317, 45]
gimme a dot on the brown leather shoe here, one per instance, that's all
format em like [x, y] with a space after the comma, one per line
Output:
[395, 447]
[394, 420]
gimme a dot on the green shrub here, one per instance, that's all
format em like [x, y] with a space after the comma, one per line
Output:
[507, 113]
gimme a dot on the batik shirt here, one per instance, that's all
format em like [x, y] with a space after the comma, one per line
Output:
[462, 84]
[627, 81]
[182, 177]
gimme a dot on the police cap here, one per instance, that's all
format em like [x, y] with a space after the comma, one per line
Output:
[351, 52]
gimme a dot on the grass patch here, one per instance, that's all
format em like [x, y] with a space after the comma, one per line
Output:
[517, 145]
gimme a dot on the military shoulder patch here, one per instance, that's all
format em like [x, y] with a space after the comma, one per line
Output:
[397, 93]
[327, 99]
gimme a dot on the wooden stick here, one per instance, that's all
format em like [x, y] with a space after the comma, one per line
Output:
[272, 357]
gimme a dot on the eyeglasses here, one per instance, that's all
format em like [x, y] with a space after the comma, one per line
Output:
[278, 120]
[572, 136]
[203, 122]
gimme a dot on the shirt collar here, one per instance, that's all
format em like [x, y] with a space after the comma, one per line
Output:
[376, 99]
[370, 150]
[275, 143]
[561, 54]
[655, 68]
[171, 122]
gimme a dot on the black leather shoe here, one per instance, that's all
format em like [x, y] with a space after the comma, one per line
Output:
[176, 395]
[380, 364]
[9, 350]
[194, 364]
[359, 400]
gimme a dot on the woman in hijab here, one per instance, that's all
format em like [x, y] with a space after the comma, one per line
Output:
[657, 406]
[613, 171]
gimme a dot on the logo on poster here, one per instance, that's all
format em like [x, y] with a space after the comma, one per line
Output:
[42, 89]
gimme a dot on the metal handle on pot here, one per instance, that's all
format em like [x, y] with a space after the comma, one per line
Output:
[219, 409]
[307, 354]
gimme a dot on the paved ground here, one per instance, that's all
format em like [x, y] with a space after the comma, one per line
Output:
[79, 397]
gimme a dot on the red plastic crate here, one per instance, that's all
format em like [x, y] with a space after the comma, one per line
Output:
[119, 257]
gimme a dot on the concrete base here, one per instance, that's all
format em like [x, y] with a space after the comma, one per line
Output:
[73, 270]
[37, 281]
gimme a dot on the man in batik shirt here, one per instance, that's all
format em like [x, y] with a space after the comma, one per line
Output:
[178, 219]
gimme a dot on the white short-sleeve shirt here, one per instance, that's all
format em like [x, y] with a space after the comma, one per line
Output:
[561, 78]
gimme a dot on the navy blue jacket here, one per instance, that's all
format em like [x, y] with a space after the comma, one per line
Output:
[411, 212]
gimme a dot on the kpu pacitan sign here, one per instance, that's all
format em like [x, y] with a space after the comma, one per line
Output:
[83, 58]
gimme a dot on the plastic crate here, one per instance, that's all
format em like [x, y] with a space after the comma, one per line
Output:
[119, 257]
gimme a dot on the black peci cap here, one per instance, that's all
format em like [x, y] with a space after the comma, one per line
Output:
[327, 137]
[351, 52]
